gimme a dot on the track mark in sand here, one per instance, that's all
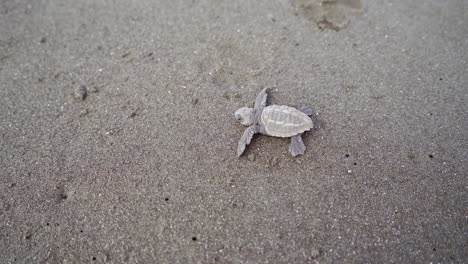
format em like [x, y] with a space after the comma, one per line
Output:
[328, 14]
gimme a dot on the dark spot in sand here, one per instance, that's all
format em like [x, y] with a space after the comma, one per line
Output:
[80, 92]
[43, 40]
[150, 54]
[325, 24]
[57, 75]
[94, 258]
[125, 55]
[347, 155]
[441, 79]
[431, 156]
[355, 163]
[194, 101]
[61, 194]
[27, 236]
[166, 199]
[133, 114]
[194, 239]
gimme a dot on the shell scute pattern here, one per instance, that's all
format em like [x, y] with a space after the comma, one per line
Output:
[285, 121]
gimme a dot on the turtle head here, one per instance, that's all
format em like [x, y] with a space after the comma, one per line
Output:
[245, 116]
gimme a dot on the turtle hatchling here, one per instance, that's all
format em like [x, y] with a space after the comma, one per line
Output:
[276, 121]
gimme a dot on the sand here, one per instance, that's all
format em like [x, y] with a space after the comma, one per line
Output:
[118, 143]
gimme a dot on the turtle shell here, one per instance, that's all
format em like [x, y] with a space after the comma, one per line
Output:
[285, 121]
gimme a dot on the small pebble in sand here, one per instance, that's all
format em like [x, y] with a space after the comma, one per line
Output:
[350, 171]
[80, 92]
[93, 89]
[194, 101]
[84, 112]
[251, 157]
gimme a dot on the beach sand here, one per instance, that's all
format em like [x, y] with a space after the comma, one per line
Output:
[118, 143]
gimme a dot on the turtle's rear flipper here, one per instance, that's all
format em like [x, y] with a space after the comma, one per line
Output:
[297, 147]
[306, 110]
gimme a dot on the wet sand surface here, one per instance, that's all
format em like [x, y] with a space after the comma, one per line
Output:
[118, 143]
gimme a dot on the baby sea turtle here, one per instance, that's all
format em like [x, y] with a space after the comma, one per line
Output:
[274, 120]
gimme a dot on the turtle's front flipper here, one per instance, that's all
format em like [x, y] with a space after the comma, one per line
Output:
[306, 110]
[261, 100]
[245, 139]
[297, 147]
